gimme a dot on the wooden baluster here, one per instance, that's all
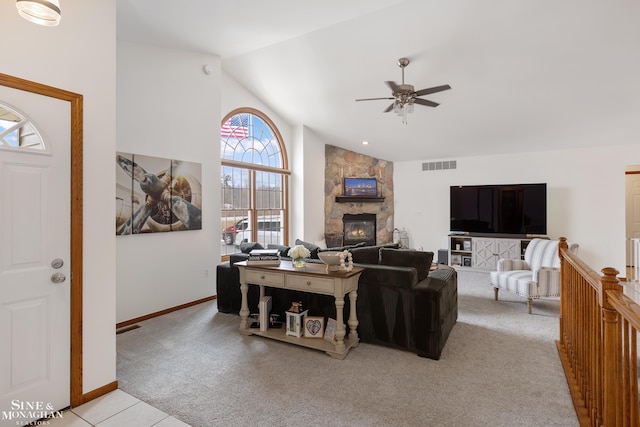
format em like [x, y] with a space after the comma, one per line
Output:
[611, 357]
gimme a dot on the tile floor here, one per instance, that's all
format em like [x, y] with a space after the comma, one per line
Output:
[116, 409]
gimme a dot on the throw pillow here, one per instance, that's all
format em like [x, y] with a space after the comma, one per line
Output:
[419, 260]
[247, 247]
[370, 254]
[282, 249]
[342, 248]
[312, 248]
[366, 255]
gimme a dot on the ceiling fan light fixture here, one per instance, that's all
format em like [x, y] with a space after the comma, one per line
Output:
[41, 12]
[405, 96]
[409, 107]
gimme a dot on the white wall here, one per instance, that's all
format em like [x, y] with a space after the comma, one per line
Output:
[296, 190]
[585, 196]
[168, 107]
[79, 56]
[306, 194]
[314, 162]
[307, 187]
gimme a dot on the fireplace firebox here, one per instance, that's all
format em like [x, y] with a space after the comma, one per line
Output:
[359, 228]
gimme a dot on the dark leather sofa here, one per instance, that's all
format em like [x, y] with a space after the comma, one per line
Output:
[401, 302]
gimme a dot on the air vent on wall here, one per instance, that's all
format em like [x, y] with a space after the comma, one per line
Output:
[437, 166]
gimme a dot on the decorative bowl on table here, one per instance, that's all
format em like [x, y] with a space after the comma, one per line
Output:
[337, 260]
[331, 258]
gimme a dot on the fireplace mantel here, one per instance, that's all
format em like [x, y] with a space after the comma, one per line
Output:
[359, 199]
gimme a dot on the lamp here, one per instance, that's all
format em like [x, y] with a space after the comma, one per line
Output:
[41, 12]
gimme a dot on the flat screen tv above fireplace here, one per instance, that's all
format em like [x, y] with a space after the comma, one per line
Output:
[517, 209]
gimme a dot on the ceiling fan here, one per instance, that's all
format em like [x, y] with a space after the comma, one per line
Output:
[404, 96]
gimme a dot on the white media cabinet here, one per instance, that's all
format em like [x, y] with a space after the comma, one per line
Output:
[483, 253]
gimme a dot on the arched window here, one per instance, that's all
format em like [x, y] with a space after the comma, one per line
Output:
[17, 131]
[254, 181]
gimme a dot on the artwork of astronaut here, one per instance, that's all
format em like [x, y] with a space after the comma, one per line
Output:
[156, 195]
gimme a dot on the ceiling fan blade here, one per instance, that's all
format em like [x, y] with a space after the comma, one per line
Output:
[393, 86]
[389, 108]
[425, 102]
[373, 99]
[432, 90]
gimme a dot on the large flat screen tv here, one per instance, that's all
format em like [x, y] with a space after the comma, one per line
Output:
[518, 209]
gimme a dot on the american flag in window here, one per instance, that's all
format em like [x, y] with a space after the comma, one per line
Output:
[235, 127]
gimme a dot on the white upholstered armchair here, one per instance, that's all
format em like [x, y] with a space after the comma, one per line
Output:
[538, 275]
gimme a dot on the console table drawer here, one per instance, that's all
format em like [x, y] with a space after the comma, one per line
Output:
[312, 284]
[265, 278]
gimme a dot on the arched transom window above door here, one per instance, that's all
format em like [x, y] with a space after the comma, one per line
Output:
[17, 131]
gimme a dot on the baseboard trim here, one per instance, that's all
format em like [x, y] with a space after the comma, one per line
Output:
[100, 391]
[165, 311]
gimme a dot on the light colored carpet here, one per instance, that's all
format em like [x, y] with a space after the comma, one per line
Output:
[499, 367]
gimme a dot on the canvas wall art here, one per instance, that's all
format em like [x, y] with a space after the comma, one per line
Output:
[154, 194]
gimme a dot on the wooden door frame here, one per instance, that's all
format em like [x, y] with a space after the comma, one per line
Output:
[76, 103]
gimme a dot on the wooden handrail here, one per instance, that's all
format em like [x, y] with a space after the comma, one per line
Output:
[598, 344]
[628, 308]
[592, 277]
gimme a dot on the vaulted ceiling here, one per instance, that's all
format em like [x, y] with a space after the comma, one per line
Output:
[526, 75]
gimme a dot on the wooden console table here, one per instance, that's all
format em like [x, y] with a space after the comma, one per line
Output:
[315, 279]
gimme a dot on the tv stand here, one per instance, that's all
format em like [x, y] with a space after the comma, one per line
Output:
[483, 252]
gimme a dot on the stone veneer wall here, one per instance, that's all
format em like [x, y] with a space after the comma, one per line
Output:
[340, 163]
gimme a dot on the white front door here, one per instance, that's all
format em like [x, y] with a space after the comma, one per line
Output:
[35, 263]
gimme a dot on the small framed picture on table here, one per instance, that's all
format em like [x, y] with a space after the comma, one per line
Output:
[313, 327]
[466, 261]
[330, 330]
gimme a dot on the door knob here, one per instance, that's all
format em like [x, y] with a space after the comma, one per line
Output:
[57, 263]
[58, 277]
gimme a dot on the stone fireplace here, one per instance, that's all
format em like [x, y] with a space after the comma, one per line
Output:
[360, 228]
[340, 164]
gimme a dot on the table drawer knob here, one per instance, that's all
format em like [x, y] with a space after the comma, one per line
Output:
[262, 277]
[308, 283]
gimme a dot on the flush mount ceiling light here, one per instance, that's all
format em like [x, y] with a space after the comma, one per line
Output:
[41, 12]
